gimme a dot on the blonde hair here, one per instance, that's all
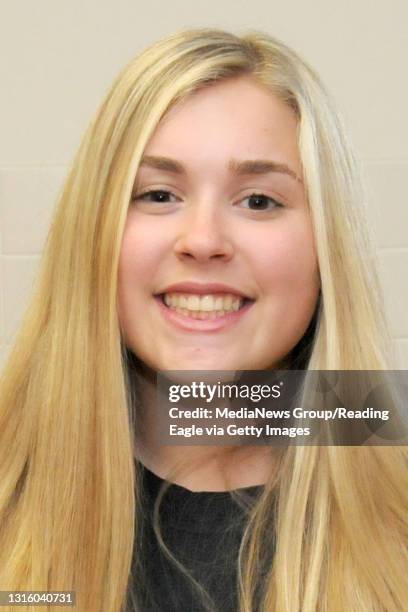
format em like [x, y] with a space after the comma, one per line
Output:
[70, 487]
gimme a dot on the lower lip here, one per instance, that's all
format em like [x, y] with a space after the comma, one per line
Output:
[187, 323]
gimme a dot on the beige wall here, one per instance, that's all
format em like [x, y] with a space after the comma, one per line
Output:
[58, 59]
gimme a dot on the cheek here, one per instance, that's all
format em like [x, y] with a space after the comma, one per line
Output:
[289, 279]
[286, 260]
[139, 259]
[139, 255]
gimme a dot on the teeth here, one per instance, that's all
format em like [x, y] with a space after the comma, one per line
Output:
[203, 303]
[193, 302]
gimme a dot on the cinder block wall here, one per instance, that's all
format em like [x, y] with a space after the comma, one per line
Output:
[58, 59]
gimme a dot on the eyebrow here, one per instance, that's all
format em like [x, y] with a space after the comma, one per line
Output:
[238, 167]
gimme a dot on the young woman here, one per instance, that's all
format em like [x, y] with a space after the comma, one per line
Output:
[215, 167]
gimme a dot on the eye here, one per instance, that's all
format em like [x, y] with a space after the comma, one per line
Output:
[260, 201]
[155, 195]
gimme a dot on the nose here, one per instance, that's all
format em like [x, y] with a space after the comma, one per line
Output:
[203, 236]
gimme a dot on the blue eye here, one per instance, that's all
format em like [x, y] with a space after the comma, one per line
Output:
[262, 202]
[155, 195]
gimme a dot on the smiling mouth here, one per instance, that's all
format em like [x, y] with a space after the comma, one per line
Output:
[204, 307]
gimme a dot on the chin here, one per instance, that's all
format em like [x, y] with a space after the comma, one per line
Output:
[202, 362]
[203, 365]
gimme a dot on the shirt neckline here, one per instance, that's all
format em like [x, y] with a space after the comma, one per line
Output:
[195, 512]
[154, 481]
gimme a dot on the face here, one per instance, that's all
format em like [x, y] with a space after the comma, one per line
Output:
[218, 268]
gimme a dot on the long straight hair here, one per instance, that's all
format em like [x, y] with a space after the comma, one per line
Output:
[70, 488]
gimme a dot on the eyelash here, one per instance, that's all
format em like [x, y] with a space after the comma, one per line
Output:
[252, 195]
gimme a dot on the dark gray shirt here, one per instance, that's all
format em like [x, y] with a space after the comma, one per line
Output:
[203, 530]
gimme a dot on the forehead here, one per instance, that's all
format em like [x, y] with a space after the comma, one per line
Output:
[236, 117]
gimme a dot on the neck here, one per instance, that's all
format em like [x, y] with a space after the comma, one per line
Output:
[196, 467]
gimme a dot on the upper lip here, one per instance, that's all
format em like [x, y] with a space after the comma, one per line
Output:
[203, 288]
